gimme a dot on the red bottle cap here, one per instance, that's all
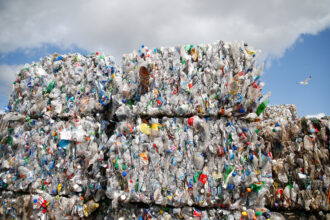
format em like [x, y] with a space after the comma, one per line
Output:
[191, 121]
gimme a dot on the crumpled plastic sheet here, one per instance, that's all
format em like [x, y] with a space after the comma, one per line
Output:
[207, 79]
[63, 86]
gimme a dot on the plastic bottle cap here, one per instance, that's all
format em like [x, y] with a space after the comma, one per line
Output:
[191, 121]
[203, 178]
[124, 174]
[155, 126]
[230, 186]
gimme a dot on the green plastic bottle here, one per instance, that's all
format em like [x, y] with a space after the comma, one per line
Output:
[262, 107]
[50, 87]
[228, 171]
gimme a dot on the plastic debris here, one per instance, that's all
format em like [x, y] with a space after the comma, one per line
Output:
[61, 86]
[176, 133]
[206, 79]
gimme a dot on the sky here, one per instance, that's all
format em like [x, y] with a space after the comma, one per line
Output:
[293, 36]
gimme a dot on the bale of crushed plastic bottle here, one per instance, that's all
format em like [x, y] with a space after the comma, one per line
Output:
[204, 162]
[53, 156]
[301, 165]
[63, 86]
[207, 79]
[178, 132]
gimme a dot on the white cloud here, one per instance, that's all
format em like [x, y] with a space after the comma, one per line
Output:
[118, 27]
[7, 77]
[318, 116]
